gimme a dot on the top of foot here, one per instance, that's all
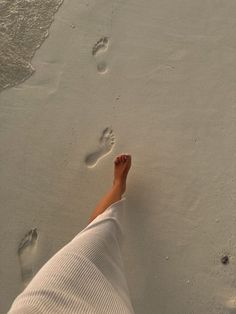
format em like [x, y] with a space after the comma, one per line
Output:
[122, 164]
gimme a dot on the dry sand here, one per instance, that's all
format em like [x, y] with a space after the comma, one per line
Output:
[155, 79]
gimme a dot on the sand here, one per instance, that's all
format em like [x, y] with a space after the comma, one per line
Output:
[154, 79]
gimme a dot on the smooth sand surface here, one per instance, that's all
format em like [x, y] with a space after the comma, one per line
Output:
[155, 79]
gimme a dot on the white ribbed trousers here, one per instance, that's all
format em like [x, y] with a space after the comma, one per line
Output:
[85, 276]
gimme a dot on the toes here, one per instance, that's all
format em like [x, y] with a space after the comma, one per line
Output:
[128, 157]
[122, 158]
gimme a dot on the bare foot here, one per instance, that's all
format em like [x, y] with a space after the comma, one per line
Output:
[122, 165]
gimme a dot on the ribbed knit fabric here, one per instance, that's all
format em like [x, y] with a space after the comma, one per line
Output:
[85, 276]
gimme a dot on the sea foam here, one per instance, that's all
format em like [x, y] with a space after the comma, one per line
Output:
[24, 25]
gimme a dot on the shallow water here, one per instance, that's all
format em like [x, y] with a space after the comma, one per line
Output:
[24, 25]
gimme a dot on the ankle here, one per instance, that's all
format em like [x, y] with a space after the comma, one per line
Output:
[118, 183]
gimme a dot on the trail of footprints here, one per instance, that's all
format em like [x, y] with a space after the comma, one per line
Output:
[98, 51]
[28, 246]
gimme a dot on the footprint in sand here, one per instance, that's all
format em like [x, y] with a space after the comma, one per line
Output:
[26, 253]
[99, 48]
[106, 143]
[102, 67]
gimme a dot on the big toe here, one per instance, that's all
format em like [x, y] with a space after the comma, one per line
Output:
[128, 158]
[123, 158]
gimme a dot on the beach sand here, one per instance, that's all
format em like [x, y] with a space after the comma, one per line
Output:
[153, 79]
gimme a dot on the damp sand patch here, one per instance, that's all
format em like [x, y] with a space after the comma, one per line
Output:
[24, 25]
